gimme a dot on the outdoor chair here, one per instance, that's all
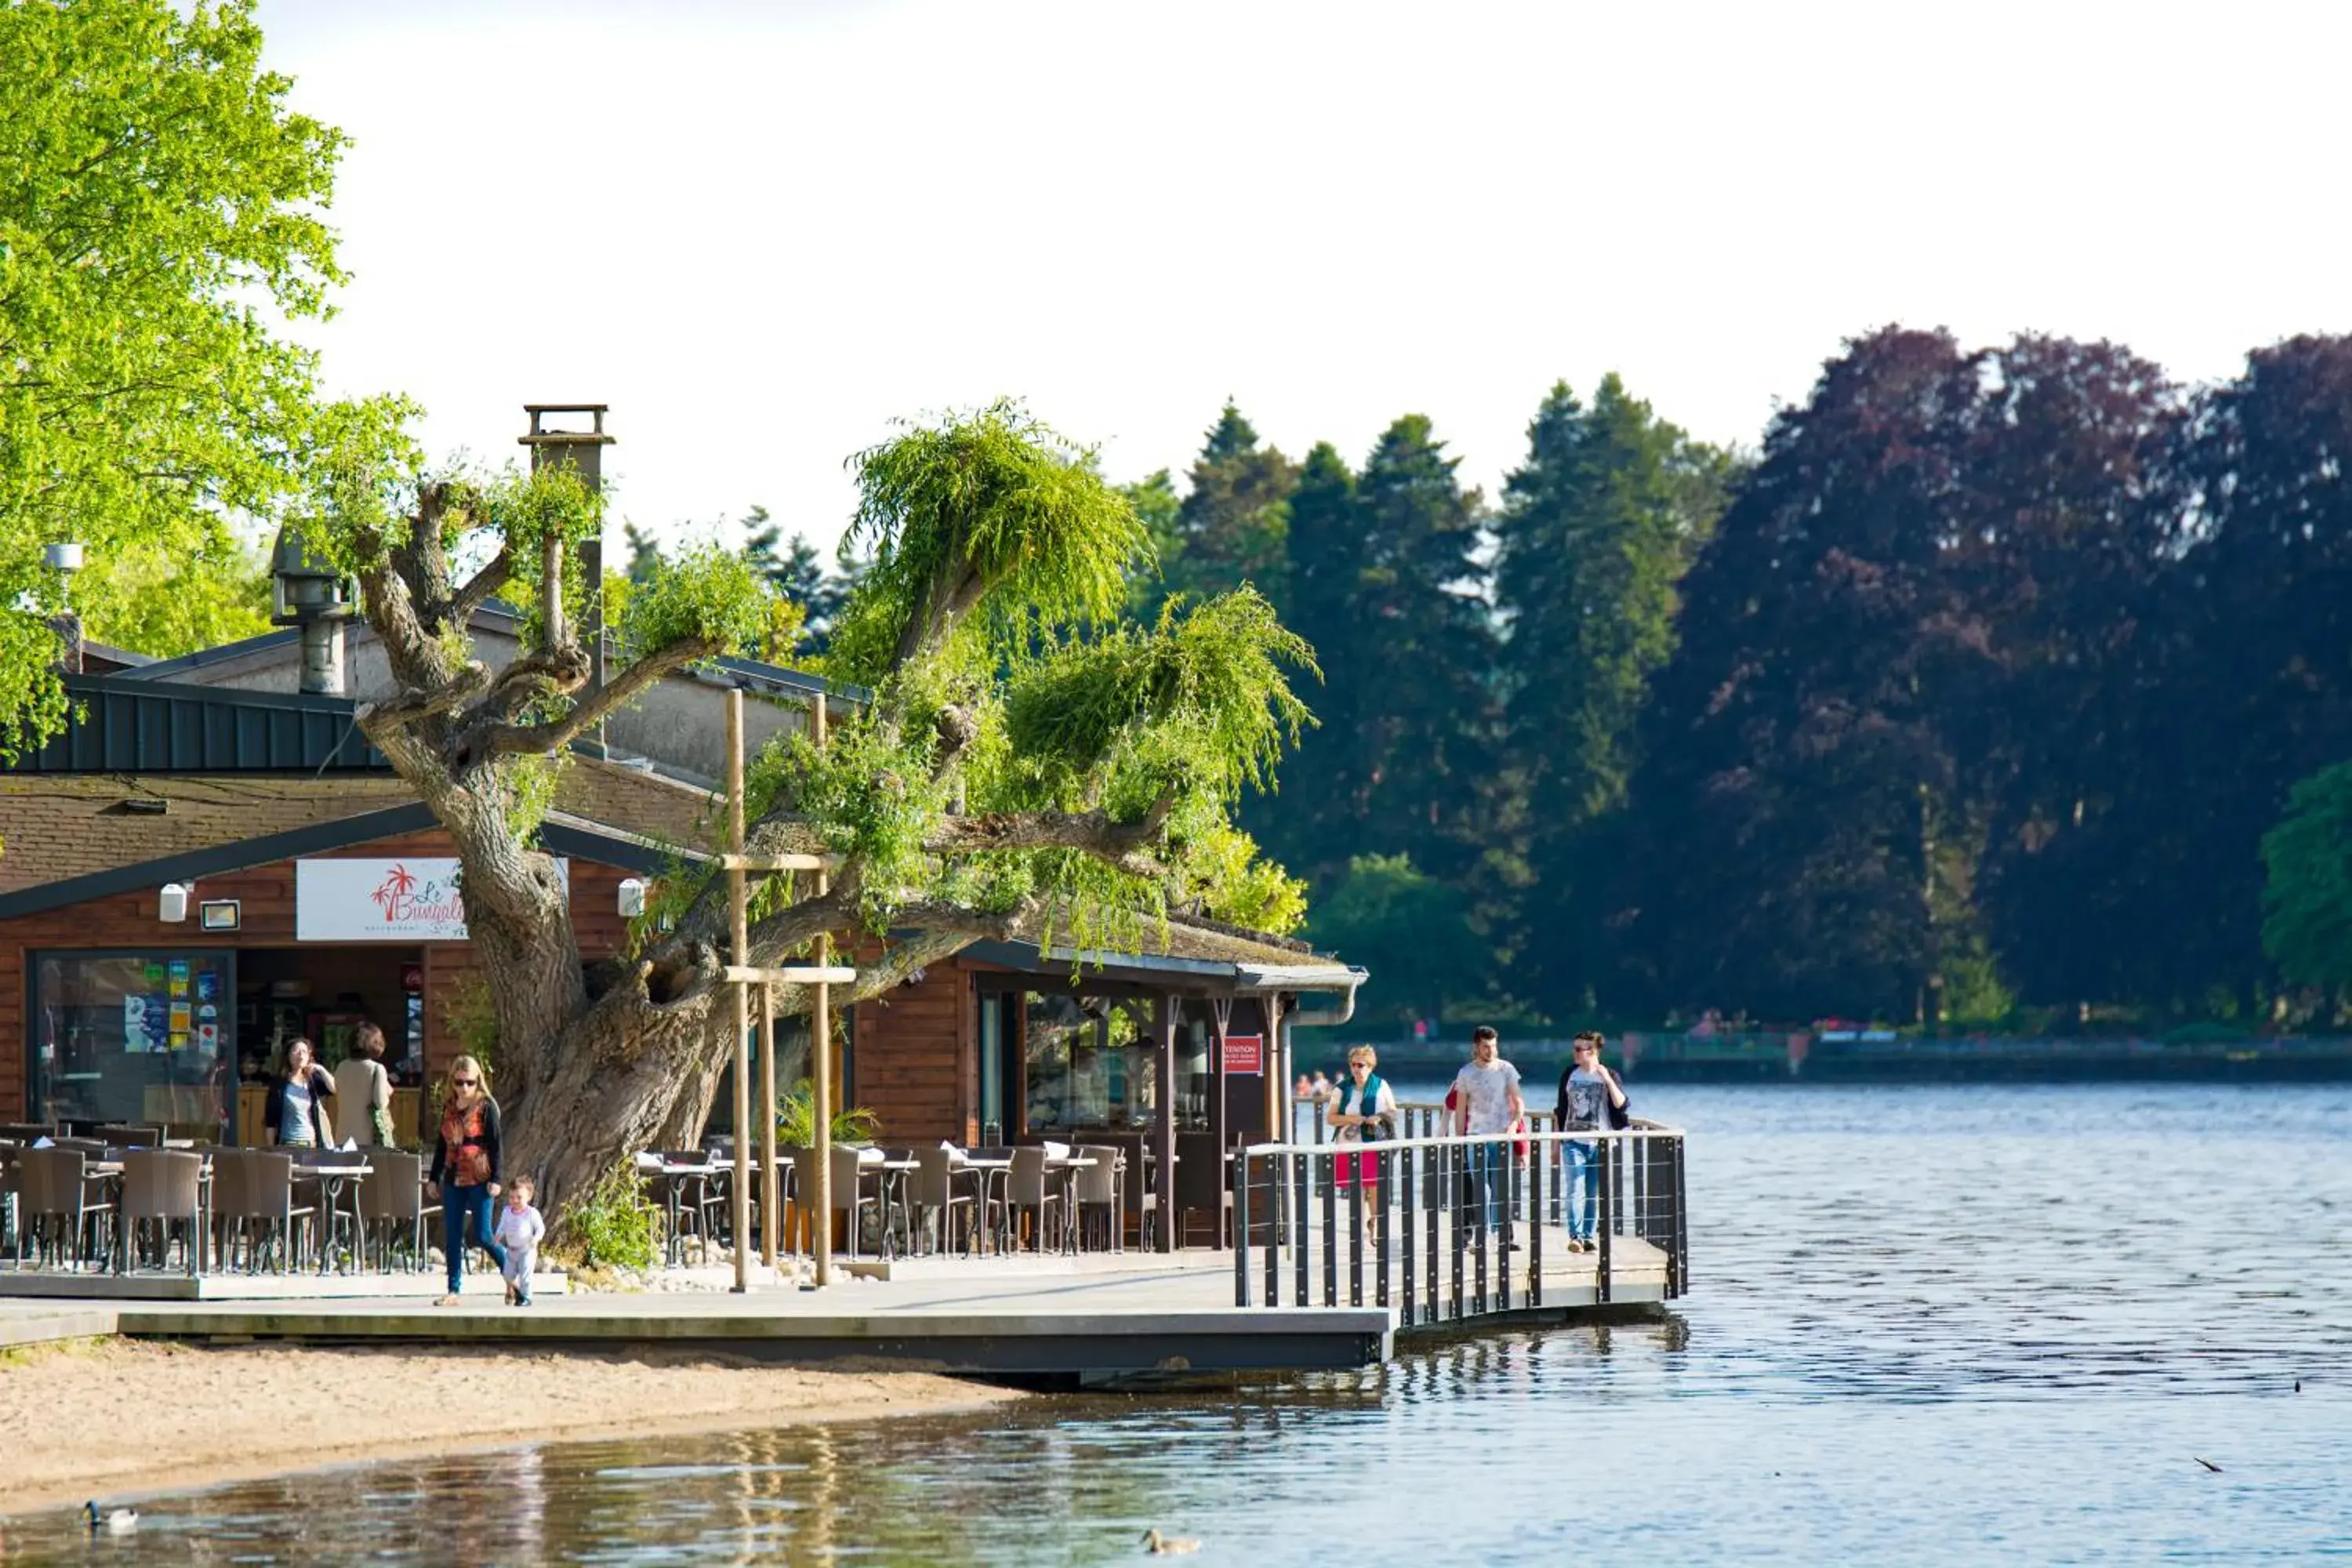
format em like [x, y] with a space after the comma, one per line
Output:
[163, 1188]
[1201, 1184]
[9, 1178]
[130, 1134]
[260, 1192]
[1098, 1195]
[857, 1188]
[1029, 1192]
[393, 1207]
[933, 1189]
[54, 1205]
[696, 1194]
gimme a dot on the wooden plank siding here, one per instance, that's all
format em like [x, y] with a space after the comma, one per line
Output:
[915, 1069]
[266, 893]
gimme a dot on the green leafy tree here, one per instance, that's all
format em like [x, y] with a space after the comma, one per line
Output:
[645, 553]
[166, 603]
[160, 206]
[1234, 523]
[1411, 931]
[1029, 764]
[2307, 893]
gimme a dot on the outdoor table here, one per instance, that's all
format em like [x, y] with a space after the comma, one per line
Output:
[335, 1178]
[670, 1171]
[984, 1171]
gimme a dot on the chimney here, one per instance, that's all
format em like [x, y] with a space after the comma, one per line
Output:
[306, 590]
[583, 452]
[65, 559]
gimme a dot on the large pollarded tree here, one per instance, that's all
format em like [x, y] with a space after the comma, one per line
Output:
[1027, 763]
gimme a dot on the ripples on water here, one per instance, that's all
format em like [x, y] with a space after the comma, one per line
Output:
[1927, 1324]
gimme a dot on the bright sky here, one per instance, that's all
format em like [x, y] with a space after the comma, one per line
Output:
[762, 231]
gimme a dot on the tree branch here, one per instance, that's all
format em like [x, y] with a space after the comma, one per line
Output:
[481, 586]
[556, 734]
[413, 707]
[1120, 844]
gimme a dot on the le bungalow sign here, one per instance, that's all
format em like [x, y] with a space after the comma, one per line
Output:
[416, 897]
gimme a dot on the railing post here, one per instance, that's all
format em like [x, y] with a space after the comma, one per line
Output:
[1356, 1232]
[1682, 1219]
[1534, 1225]
[1299, 1248]
[1461, 1238]
[1330, 1235]
[1607, 1151]
[1241, 1228]
[1279, 1165]
[1408, 1159]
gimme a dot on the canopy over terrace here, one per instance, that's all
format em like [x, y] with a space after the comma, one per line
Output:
[1192, 1032]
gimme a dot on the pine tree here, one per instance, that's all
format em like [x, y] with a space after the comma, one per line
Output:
[644, 554]
[1234, 524]
[1311, 830]
[1598, 525]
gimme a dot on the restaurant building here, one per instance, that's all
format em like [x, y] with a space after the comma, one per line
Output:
[210, 860]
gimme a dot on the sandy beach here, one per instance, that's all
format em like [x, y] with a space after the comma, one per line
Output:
[160, 1416]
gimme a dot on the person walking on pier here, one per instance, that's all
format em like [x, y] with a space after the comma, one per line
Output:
[1487, 1104]
[465, 1174]
[1591, 1099]
[1363, 1111]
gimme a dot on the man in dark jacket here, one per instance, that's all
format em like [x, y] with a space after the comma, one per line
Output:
[1591, 1100]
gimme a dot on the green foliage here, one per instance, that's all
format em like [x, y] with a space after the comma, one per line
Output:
[616, 1224]
[1204, 697]
[160, 207]
[168, 603]
[796, 1119]
[2307, 897]
[992, 503]
[1411, 931]
[703, 591]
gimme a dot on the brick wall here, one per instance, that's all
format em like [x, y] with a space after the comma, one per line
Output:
[128, 921]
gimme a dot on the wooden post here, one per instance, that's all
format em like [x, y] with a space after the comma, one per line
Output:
[821, 1048]
[1276, 1087]
[771, 1186]
[1221, 1013]
[1163, 1026]
[738, 915]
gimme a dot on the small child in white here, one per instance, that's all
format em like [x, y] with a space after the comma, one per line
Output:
[519, 1230]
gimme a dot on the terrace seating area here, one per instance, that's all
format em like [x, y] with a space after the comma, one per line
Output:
[126, 1199]
[895, 1201]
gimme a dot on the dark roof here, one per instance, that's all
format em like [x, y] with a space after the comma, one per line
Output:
[123, 724]
[66, 839]
[506, 620]
[1190, 948]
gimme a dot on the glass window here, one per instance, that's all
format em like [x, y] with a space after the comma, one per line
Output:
[133, 1037]
[1089, 1064]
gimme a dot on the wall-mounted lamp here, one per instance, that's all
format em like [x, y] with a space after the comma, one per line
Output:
[172, 907]
[633, 896]
[219, 914]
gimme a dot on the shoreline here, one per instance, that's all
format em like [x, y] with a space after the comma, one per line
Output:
[170, 1418]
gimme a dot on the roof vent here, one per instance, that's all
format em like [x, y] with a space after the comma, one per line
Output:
[146, 805]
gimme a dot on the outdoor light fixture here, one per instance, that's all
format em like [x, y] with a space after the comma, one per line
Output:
[633, 896]
[172, 908]
[218, 914]
[63, 557]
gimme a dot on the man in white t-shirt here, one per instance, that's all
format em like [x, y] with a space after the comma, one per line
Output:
[1487, 1102]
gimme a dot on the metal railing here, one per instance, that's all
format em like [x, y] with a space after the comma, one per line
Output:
[1446, 1229]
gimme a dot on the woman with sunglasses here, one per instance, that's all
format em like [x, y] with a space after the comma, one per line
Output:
[466, 1169]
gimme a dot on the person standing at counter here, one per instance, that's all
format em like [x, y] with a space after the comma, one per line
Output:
[363, 1089]
[296, 1112]
[465, 1174]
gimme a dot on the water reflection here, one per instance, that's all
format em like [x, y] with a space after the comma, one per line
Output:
[1906, 1303]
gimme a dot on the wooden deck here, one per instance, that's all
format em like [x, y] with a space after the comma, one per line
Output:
[1094, 1317]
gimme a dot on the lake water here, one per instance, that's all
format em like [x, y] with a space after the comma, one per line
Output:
[1925, 1325]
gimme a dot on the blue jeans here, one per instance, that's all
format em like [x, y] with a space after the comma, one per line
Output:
[1489, 1170]
[1580, 1167]
[457, 1204]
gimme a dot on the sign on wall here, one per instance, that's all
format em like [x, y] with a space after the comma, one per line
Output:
[1245, 1053]
[418, 898]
